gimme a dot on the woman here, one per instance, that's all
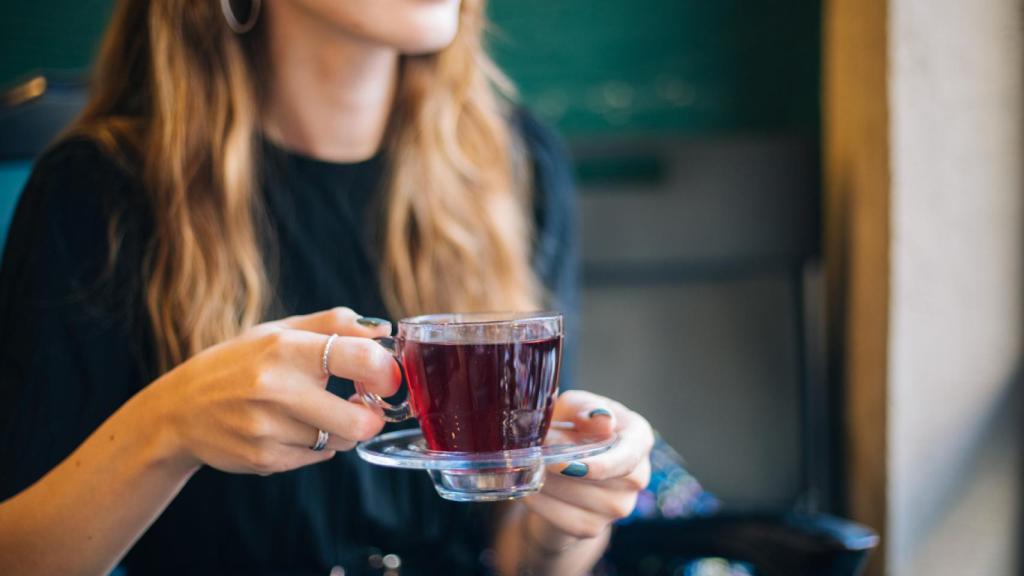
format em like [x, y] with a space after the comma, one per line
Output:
[235, 165]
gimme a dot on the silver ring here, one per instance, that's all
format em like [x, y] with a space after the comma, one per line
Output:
[327, 354]
[321, 441]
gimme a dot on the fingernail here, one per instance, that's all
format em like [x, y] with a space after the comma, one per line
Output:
[371, 322]
[600, 412]
[576, 470]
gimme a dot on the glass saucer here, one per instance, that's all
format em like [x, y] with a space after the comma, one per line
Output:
[483, 476]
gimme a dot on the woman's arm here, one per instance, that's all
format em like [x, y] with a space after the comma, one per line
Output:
[249, 405]
[85, 514]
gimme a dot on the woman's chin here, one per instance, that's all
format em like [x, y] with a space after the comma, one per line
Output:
[428, 44]
[427, 27]
[424, 35]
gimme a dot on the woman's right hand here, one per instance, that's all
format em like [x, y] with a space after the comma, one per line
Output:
[254, 404]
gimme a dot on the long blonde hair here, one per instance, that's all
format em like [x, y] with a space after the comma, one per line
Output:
[175, 87]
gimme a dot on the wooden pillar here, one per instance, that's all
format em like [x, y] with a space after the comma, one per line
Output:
[857, 179]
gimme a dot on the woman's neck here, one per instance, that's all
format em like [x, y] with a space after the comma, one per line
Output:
[330, 95]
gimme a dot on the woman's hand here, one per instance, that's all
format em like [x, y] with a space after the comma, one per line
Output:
[580, 500]
[251, 404]
[254, 404]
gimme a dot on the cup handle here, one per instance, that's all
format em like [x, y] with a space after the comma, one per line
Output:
[390, 412]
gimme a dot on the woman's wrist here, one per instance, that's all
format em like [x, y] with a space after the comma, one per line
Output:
[158, 422]
[544, 537]
[547, 539]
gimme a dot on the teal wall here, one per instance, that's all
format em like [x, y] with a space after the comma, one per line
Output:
[49, 34]
[590, 66]
[692, 66]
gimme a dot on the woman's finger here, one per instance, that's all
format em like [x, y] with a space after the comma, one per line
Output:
[355, 358]
[287, 458]
[343, 420]
[342, 321]
[366, 362]
[591, 415]
[291, 432]
[572, 402]
[635, 481]
[603, 499]
[633, 447]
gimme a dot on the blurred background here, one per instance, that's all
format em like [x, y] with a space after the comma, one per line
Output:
[802, 239]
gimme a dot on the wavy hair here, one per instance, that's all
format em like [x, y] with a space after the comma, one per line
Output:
[181, 93]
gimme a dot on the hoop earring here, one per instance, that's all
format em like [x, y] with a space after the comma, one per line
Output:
[233, 23]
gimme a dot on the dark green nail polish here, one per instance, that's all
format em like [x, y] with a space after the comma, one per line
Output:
[576, 470]
[599, 412]
[371, 322]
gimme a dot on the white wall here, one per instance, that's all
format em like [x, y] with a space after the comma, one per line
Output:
[955, 435]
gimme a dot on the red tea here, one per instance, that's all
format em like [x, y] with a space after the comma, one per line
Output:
[483, 397]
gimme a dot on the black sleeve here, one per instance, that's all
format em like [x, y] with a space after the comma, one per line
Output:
[556, 243]
[68, 350]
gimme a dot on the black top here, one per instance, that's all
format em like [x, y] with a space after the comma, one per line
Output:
[74, 347]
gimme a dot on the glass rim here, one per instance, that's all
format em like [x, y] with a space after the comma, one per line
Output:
[449, 319]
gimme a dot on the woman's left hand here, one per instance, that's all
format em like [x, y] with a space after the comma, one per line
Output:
[581, 499]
